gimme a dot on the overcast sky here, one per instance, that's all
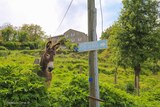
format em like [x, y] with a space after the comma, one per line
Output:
[49, 13]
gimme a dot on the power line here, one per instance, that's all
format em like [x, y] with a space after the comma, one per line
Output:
[64, 16]
[101, 15]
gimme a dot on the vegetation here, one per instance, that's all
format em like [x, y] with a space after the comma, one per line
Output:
[25, 37]
[20, 85]
[134, 37]
[133, 50]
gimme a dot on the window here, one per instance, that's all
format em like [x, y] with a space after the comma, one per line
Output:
[79, 39]
[72, 34]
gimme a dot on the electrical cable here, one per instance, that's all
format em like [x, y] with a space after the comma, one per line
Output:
[101, 15]
[64, 16]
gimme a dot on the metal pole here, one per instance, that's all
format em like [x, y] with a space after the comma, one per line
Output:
[93, 66]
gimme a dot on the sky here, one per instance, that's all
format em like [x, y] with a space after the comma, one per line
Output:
[49, 13]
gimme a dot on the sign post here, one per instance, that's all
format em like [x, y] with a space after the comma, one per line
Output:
[92, 46]
[93, 66]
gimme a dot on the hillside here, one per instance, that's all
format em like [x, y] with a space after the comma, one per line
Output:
[19, 83]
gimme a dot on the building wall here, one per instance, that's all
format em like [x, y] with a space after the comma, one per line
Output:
[73, 35]
[76, 36]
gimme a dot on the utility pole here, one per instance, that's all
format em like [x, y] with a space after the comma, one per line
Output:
[93, 66]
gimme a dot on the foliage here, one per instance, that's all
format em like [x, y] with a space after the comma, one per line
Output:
[4, 53]
[70, 45]
[138, 22]
[69, 87]
[21, 86]
[22, 45]
[25, 37]
[130, 87]
[33, 32]
[114, 97]
[136, 40]
[106, 34]
[76, 93]
[8, 33]
[3, 48]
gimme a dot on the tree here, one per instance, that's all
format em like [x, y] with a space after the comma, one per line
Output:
[155, 53]
[135, 41]
[8, 33]
[22, 36]
[112, 52]
[34, 31]
[109, 31]
[106, 33]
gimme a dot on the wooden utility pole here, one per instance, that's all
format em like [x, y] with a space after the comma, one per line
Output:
[93, 66]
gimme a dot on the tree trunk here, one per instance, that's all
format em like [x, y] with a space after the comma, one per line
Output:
[137, 70]
[115, 75]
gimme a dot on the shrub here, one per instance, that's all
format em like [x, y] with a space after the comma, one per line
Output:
[10, 45]
[32, 52]
[31, 45]
[76, 93]
[115, 97]
[3, 48]
[4, 53]
[21, 87]
[130, 87]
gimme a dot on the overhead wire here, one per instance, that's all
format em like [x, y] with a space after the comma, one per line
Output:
[100, 2]
[68, 10]
[64, 16]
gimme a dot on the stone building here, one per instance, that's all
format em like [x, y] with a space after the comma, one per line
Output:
[73, 35]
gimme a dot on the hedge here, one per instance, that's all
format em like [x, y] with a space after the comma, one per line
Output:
[20, 46]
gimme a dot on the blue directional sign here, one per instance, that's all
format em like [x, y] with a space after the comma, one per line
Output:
[90, 46]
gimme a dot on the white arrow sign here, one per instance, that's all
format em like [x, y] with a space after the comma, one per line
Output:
[90, 46]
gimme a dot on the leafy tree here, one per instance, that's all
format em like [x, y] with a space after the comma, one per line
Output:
[8, 33]
[106, 33]
[112, 52]
[109, 31]
[34, 31]
[154, 60]
[135, 41]
[22, 36]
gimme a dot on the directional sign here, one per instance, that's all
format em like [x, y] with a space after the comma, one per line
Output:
[90, 46]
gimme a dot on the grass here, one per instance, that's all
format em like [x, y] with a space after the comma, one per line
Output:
[68, 66]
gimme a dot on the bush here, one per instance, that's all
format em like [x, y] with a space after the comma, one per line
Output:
[23, 45]
[21, 87]
[3, 48]
[115, 97]
[76, 93]
[4, 53]
[31, 45]
[32, 52]
[130, 87]
[10, 45]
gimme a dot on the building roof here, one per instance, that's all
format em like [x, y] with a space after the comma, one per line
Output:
[75, 31]
[65, 32]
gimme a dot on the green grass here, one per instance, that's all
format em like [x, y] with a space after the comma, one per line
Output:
[70, 81]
